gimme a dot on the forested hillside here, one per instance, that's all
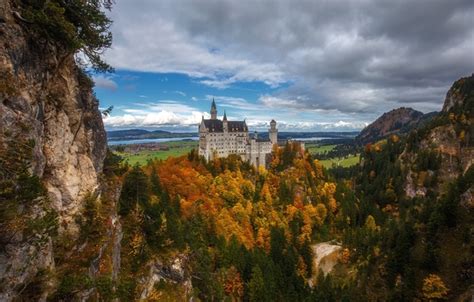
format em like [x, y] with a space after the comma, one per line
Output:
[218, 230]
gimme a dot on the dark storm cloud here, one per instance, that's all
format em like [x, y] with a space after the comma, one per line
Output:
[352, 56]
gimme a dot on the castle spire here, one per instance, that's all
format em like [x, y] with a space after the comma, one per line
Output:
[213, 110]
[225, 116]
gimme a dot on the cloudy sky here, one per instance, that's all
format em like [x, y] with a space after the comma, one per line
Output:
[311, 65]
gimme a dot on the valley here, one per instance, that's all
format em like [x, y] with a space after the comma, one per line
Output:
[142, 153]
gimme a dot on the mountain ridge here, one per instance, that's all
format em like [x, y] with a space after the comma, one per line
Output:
[396, 121]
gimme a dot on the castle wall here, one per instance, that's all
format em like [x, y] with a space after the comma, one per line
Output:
[222, 144]
[257, 152]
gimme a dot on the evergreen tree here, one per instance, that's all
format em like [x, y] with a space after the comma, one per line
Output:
[256, 286]
[155, 185]
[134, 191]
[75, 24]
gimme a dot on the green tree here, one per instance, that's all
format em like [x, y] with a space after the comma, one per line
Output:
[155, 184]
[76, 25]
[256, 286]
[134, 191]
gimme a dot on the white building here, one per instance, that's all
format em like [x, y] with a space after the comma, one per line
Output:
[221, 138]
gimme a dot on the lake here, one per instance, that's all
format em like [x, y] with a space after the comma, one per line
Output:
[193, 138]
[150, 140]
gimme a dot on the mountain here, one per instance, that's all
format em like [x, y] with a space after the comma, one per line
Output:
[438, 180]
[421, 192]
[397, 121]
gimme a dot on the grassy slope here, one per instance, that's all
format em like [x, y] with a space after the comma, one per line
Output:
[175, 149]
[315, 148]
[328, 163]
[344, 162]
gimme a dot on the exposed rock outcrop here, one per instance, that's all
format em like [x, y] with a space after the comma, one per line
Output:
[175, 272]
[325, 257]
[451, 136]
[47, 99]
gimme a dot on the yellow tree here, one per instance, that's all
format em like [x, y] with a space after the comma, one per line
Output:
[434, 288]
[370, 223]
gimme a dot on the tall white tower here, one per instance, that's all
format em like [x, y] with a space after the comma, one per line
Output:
[273, 132]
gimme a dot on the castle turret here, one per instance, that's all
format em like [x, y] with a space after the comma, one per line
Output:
[273, 132]
[225, 125]
[213, 110]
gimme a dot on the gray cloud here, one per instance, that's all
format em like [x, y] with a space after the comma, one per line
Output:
[351, 56]
[105, 83]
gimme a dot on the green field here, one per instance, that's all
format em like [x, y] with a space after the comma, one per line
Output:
[314, 148]
[343, 162]
[175, 149]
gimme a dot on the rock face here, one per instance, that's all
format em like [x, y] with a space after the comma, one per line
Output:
[44, 89]
[459, 93]
[175, 272]
[451, 137]
[46, 98]
[326, 256]
[397, 121]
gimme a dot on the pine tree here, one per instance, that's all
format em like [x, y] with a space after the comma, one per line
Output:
[134, 191]
[256, 286]
[155, 184]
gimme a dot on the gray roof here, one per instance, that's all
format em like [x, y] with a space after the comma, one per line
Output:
[237, 126]
[218, 126]
[213, 125]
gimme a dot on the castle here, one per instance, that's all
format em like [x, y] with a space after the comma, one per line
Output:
[221, 138]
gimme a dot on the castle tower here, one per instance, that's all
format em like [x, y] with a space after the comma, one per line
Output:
[213, 110]
[273, 132]
[224, 123]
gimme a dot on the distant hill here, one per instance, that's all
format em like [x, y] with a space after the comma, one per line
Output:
[118, 135]
[125, 133]
[398, 121]
[130, 134]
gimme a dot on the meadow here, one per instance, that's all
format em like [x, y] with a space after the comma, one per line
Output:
[141, 157]
[315, 148]
[341, 161]
[344, 161]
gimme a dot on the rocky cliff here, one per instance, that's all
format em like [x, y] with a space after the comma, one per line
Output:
[447, 139]
[47, 103]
